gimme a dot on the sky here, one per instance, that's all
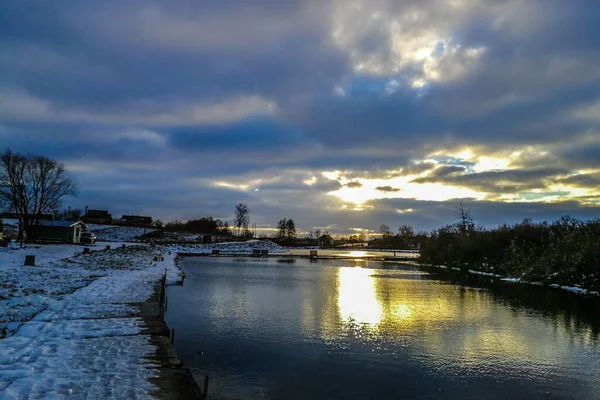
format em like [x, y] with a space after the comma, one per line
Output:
[340, 114]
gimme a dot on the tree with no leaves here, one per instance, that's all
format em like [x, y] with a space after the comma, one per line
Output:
[385, 231]
[32, 186]
[282, 229]
[242, 217]
[290, 229]
[465, 219]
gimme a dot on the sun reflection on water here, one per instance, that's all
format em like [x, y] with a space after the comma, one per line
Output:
[357, 254]
[357, 296]
[403, 312]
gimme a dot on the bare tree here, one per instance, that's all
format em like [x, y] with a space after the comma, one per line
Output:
[385, 231]
[290, 228]
[282, 229]
[465, 219]
[32, 186]
[242, 217]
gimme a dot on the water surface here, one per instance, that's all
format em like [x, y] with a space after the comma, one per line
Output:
[337, 329]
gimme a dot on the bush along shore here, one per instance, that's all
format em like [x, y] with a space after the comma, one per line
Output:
[564, 253]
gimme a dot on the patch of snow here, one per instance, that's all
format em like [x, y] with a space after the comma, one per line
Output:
[573, 289]
[484, 273]
[228, 247]
[73, 331]
[512, 280]
[117, 233]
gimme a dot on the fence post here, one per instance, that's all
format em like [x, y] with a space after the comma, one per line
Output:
[163, 296]
[172, 335]
[205, 392]
[30, 261]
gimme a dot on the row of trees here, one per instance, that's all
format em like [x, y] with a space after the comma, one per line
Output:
[406, 238]
[208, 225]
[286, 231]
[565, 252]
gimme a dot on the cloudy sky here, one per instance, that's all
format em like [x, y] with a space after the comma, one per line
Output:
[340, 114]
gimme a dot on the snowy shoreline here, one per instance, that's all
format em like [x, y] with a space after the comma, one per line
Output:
[73, 325]
[571, 289]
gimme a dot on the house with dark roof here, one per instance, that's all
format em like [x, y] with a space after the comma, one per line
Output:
[60, 231]
[326, 240]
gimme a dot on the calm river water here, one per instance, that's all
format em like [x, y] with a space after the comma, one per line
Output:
[342, 329]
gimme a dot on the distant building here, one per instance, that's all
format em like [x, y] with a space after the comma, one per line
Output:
[101, 217]
[326, 240]
[136, 220]
[60, 231]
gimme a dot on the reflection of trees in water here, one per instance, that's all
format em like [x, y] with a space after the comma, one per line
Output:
[472, 320]
[576, 314]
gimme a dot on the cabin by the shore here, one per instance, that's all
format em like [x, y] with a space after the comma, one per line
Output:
[60, 231]
[326, 240]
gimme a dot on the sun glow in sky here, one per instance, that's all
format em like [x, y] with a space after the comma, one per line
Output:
[407, 190]
[337, 113]
[467, 162]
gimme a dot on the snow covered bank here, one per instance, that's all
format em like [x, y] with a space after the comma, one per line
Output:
[228, 247]
[73, 325]
[113, 233]
[573, 289]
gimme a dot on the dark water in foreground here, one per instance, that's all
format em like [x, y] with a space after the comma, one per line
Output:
[368, 330]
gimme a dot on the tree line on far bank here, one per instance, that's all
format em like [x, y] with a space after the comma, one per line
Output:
[564, 252]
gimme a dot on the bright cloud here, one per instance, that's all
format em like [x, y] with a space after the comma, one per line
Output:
[337, 113]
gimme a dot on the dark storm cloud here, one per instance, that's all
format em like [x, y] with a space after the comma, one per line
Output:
[583, 180]
[354, 184]
[151, 103]
[584, 156]
[387, 189]
[115, 54]
[495, 181]
[254, 134]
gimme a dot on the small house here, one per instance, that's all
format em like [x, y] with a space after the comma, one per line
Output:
[60, 231]
[326, 240]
